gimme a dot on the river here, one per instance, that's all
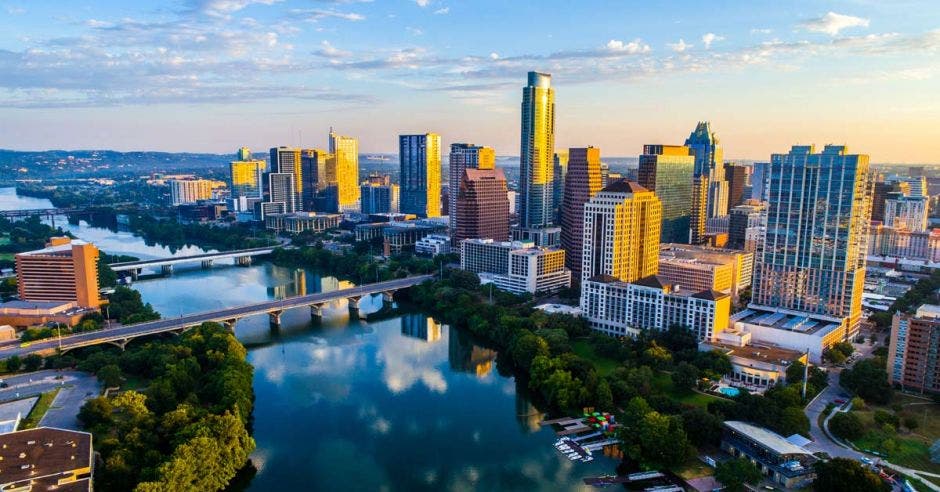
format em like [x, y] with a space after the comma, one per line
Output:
[400, 404]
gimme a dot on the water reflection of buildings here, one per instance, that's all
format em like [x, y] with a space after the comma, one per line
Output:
[465, 356]
[528, 417]
[295, 282]
[420, 326]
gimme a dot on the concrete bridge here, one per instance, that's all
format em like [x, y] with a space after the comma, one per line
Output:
[227, 316]
[241, 257]
[42, 212]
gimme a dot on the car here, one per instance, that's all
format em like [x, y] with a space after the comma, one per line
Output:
[4, 385]
[840, 401]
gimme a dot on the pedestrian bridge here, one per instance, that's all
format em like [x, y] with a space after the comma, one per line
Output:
[227, 316]
[241, 257]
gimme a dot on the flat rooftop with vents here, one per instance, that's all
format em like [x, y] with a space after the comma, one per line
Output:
[46, 459]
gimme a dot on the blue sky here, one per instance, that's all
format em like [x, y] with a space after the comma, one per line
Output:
[212, 75]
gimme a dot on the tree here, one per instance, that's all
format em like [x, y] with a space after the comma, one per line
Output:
[846, 475]
[685, 376]
[795, 372]
[869, 380]
[14, 363]
[733, 474]
[846, 425]
[32, 362]
[525, 347]
[96, 412]
[834, 356]
[703, 428]
[110, 375]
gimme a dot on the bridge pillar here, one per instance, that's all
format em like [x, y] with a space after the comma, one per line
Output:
[316, 311]
[229, 324]
[206, 263]
[354, 305]
[135, 273]
[166, 269]
[122, 343]
[243, 261]
[275, 317]
[388, 297]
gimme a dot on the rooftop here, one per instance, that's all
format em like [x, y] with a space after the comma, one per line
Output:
[54, 249]
[767, 438]
[757, 352]
[800, 322]
[42, 456]
[928, 311]
[624, 186]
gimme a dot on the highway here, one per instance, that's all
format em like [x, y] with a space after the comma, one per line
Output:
[127, 332]
[135, 265]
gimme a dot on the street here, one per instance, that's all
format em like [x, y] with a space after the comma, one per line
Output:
[75, 388]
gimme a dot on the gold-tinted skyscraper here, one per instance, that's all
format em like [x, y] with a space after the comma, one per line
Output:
[622, 225]
[246, 174]
[536, 156]
[345, 151]
[420, 160]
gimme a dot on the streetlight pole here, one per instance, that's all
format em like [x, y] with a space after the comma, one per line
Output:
[58, 333]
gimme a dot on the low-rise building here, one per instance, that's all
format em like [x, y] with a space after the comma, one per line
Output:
[516, 266]
[754, 365]
[298, 222]
[778, 459]
[652, 303]
[433, 245]
[794, 330]
[46, 459]
[914, 350]
[64, 271]
[23, 314]
[698, 268]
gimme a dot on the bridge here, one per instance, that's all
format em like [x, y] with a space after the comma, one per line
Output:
[120, 336]
[241, 257]
[41, 212]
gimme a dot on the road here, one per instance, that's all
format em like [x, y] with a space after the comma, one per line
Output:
[130, 265]
[164, 325]
[63, 413]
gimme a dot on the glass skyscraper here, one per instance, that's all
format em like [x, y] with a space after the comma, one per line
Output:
[420, 160]
[246, 175]
[813, 256]
[709, 162]
[668, 171]
[345, 152]
[465, 156]
[536, 154]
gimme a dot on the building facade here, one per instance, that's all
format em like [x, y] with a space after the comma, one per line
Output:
[65, 270]
[709, 163]
[420, 179]
[906, 212]
[379, 195]
[465, 156]
[345, 154]
[736, 175]
[246, 175]
[668, 171]
[746, 225]
[482, 206]
[558, 185]
[287, 160]
[281, 190]
[318, 172]
[914, 350]
[183, 191]
[536, 166]
[516, 266]
[582, 181]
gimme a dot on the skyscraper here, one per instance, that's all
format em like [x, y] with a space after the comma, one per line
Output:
[281, 190]
[420, 160]
[736, 175]
[482, 208]
[582, 181]
[465, 156]
[759, 181]
[286, 160]
[345, 152]
[65, 270]
[379, 195]
[667, 170]
[709, 160]
[699, 215]
[622, 227]
[813, 256]
[536, 166]
[558, 186]
[246, 175]
[318, 171]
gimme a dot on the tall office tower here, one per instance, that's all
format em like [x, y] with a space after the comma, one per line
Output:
[66, 270]
[243, 154]
[246, 175]
[880, 190]
[582, 181]
[281, 190]
[183, 191]
[536, 166]
[709, 160]
[699, 215]
[906, 212]
[482, 208]
[558, 183]
[736, 175]
[345, 151]
[759, 181]
[420, 178]
[913, 358]
[286, 160]
[813, 256]
[317, 171]
[746, 225]
[667, 170]
[621, 233]
[918, 186]
[379, 195]
[465, 156]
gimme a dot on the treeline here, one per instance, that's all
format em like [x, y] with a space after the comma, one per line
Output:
[188, 430]
[175, 235]
[659, 430]
[24, 235]
[354, 265]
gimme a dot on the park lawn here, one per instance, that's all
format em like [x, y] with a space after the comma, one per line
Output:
[603, 365]
[663, 382]
[39, 409]
[693, 468]
[7, 256]
[911, 449]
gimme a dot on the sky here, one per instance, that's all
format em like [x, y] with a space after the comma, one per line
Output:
[214, 75]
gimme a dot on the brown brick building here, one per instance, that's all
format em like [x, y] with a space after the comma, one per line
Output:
[482, 206]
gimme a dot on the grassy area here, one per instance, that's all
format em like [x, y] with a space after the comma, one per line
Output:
[663, 382]
[694, 468]
[603, 365]
[905, 448]
[39, 409]
[7, 256]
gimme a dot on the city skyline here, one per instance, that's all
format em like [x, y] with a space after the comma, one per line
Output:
[197, 75]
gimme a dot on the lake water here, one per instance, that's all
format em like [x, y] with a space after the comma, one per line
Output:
[401, 404]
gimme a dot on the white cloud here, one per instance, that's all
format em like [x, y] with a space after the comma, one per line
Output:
[327, 50]
[680, 46]
[314, 15]
[414, 31]
[831, 23]
[423, 3]
[494, 56]
[224, 7]
[442, 11]
[710, 38]
[761, 31]
[633, 47]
